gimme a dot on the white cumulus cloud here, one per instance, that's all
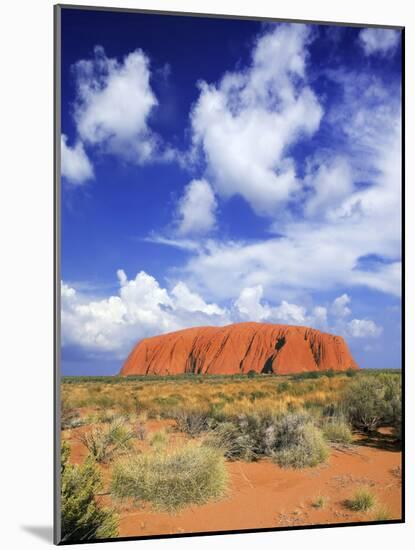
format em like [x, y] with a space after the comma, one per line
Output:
[363, 328]
[340, 306]
[75, 164]
[345, 206]
[380, 41]
[196, 209]
[249, 304]
[114, 102]
[141, 308]
[190, 301]
[330, 184]
[244, 125]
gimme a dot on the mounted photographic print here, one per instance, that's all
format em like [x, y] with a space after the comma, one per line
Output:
[229, 339]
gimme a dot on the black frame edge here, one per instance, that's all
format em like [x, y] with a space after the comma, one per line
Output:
[56, 272]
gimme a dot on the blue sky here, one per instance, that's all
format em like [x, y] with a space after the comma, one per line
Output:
[217, 171]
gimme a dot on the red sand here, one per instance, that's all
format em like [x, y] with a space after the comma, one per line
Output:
[239, 348]
[263, 495]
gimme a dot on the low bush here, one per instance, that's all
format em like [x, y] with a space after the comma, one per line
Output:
[192, 422]
[351, 373]
[81, 516]
[374, 400]
[70, 418]
[294, 441]
[232, 441]
[283, 387]
[103, 442]
[336, 430]
[192, 474]
[362, 501]
[309, 451]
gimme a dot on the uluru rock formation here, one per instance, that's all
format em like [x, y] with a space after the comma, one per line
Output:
[239, 348]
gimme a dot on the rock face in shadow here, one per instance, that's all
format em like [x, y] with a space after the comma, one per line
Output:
[240, 348]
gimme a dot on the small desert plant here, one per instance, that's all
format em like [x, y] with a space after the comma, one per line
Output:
[103, 442]
[192, 474]
[294, 441]
[351, 373]
[159, 440]
[242, 436]
[105, 417]
[381, 514]
[320, 502]
[81, 517]
[192, 422]
[231, 441]
[336, 430]
[362, 501]
[283, 387]
[140, 431]
[70, 418]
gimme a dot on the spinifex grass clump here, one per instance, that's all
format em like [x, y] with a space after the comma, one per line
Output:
[337, 430]
[81, 517]
[362, 501]
[320, 502]
[381, 513]
[192, 474]
[103, 442]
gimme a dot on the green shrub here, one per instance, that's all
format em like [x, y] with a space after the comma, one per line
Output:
[70, 418]
[81, 517]
[283, 387]
[253, 396]
[103, 442]
[308, 452]
[192, 422]
[242, 437]
[193, 474]
[232, 441]
[362, 501]
[374, 400]
[308, 375]
[293, 441]
[351, 373]
[336, 430]
[252, 373]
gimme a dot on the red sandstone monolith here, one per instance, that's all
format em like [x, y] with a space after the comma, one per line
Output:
[240, 348]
